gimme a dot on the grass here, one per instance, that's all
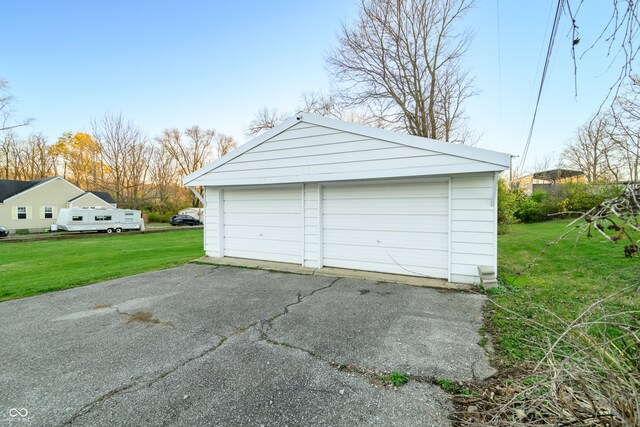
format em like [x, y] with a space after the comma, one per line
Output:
[566, 279]
[32, 268]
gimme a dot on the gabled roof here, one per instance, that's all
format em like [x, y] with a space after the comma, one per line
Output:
[557, 174]
[100, 194]
[12, 187]
[492, 160]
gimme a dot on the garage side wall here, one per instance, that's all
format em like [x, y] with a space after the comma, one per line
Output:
[211, 223]
[473, 225]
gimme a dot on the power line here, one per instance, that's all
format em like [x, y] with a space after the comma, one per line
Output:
[499, 70]
[552, 38]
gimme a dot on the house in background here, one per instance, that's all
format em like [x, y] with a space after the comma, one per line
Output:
[321, 192]
[34, 205]
[546, 180]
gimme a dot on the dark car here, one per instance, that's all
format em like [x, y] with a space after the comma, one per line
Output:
[184, 220]
[4, 232]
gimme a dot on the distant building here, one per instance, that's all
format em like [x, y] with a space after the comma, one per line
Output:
[34, 205]
[545, 180]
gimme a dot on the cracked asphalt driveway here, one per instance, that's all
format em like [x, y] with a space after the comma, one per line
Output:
[206, 345]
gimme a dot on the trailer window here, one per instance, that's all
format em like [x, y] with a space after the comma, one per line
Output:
[103, 217]
[48, 212]
[76, 218]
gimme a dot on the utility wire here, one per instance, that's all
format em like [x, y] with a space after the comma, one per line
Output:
[552, 38]
[499, 71]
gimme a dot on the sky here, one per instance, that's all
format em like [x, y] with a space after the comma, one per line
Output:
[166, 64]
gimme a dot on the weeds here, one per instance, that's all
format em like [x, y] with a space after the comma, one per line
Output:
[395, 378]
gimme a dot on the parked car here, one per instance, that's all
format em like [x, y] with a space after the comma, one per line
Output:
[4, 232]
[184, 220]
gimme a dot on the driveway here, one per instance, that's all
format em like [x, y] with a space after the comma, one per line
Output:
[207, 345]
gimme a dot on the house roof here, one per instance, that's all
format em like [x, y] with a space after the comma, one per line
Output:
[12, 187]
[555, 174]
[100, 194]
[497, 160]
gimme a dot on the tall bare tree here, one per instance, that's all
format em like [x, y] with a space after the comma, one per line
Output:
[224, 143]
[592, 150]
[164, 176]
[124, 155]
[265, 119]
[7, 103]
[625, 131]
[401, 61]
[191, 150]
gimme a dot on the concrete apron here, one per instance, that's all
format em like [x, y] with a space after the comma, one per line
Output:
[426, 282]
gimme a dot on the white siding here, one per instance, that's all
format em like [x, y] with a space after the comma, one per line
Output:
[311, 225]
[400, 228]
[211, 223]
[473, 225]
[307, 152]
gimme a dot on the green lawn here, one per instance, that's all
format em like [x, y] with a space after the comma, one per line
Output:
[31, 268]
[568, 277]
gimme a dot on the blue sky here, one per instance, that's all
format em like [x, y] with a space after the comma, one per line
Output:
[215, 63]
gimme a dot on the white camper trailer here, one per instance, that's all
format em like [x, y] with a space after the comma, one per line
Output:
[102, 220]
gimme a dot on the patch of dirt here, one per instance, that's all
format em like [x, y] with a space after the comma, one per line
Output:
[147, 317]
[99, 306]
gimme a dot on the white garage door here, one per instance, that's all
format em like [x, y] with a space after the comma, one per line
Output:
[264, 223]
[392, 228]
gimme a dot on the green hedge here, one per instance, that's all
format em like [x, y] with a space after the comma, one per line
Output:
[515, 206]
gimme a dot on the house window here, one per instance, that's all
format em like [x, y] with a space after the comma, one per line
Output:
[48, 212]
[22, 212]
[76, 218]
[103, 217]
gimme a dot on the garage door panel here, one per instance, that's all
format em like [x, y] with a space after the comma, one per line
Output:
[393, 228]
[393, 269]
[273, 256]
[275, 193]
[388, 239]
[264, 219]
[289, 247]
[382, 255]
[267, 206]
[258, 232]
[388, 191]
[389, 207]
[264, 223]
[407, 223]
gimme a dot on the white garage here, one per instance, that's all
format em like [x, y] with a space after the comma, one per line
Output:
[326, 193]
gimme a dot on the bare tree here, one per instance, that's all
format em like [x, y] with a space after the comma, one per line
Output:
[225, 143]
[38, 161]
[401, 61]
[163, 174]
[191, 150]
[592, 149]
[265, 119]
[123, 154]
[7, 101]
[625, 131]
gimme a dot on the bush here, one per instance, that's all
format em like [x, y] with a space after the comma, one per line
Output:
[159, 217]
[507, 201]
[570, 197]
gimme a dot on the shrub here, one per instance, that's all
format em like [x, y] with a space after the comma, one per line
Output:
[506, 206]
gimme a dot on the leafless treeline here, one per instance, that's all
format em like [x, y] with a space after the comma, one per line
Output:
[117, 157]
[607, 147]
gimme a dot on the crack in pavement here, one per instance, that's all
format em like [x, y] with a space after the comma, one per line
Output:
[269, 321]
[135, 383]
